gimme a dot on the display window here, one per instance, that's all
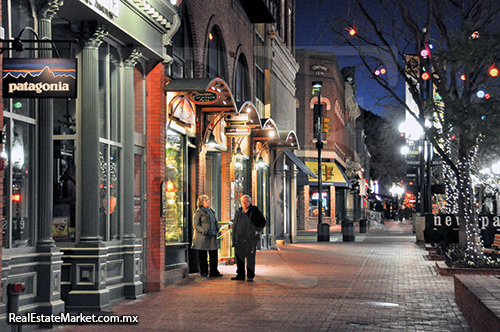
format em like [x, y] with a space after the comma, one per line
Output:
[314, 202]
[18, 156]
[110, 81]
[174, 187]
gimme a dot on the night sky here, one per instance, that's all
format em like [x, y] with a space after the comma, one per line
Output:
[312, 32]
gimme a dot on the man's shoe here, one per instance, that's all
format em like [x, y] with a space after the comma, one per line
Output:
[250, 279]
[238, 278]
[216, 276]
[204, 274]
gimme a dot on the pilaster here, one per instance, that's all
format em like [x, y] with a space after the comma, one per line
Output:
[49, 258]
[132, 247]
[89, 257]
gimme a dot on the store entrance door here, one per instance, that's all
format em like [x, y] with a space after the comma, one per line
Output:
[140, 208]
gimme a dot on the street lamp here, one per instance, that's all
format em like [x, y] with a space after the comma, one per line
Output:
[323, 230]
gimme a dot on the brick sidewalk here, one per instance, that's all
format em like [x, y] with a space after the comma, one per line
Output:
[381, 282]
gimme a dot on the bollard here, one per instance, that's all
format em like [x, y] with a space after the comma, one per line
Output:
[323, 232]
[13, 292]
[363, 226]
[348, 231]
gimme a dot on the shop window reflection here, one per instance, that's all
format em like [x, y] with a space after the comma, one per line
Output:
[63, 223]
[174, 175]
[314, 203]
[109, 192]
[18, 223]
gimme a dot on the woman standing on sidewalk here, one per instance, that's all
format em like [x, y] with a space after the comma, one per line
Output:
[205, 233]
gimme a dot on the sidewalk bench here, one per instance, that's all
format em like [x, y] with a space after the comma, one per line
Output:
[495, 245]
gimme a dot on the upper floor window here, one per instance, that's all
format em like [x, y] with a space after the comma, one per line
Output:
[242, 80]
[182, 50]
[215, 55]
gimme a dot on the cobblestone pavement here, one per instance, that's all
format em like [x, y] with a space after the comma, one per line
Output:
[381, 282]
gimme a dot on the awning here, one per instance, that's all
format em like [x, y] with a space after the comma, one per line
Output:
[188, 86]
[331, 173]
[300, 164]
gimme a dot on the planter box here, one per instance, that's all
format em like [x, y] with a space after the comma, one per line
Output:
[433, 256]
[478, 297]
[444, 270]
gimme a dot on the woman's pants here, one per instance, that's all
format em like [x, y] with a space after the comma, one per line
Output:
[214, 262]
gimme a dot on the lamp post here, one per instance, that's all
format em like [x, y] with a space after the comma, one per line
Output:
[323, 230]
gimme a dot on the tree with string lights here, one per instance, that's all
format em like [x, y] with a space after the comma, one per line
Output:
[446, 52]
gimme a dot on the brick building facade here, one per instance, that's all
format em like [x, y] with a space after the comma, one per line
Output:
[339, 157]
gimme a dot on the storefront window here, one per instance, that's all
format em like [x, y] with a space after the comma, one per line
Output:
[110, 68]
[242, 180]
[174, 187]
[314, 202]
[63, 223]
[18, 199]
[110, 187]
[262, 195]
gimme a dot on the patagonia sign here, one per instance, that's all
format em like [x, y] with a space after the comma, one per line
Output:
[39, 78]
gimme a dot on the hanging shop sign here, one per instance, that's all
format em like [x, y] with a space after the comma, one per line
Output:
[237, 118]
[237, 131]
[204, 97]
[39, 78]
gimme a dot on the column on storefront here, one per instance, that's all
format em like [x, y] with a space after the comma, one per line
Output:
[49, 263]
[89, 261]
[132, 247]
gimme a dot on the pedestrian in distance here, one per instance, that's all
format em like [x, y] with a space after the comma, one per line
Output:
[248, 222]
[205, 233]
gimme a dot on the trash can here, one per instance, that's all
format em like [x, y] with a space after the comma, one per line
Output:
[363, 226]
[323, 232]
[348, 231]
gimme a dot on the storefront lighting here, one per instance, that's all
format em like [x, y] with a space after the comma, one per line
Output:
[260, 163]
[170, 187]
[211, 141]
[239, 154]
[226, 101]
[217, 87]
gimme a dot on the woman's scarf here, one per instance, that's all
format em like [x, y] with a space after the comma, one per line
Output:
[212, 220]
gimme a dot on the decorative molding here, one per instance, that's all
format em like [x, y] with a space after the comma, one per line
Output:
[153, 13]
[131, 60]
[90, 33]
[85, 274]
[50, 8]
[56, 282]
[103, 274]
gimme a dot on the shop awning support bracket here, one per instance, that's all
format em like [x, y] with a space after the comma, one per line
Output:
[17, 43]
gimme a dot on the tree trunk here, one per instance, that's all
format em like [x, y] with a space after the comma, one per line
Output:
[469, 237]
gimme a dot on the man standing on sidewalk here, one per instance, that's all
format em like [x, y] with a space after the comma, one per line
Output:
[248, 222]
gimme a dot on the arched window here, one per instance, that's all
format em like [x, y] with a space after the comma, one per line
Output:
[242, 80]
[215, 55]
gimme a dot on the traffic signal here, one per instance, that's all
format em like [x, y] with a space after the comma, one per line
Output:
[328, 172]
[425, 76]
[326, 125]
